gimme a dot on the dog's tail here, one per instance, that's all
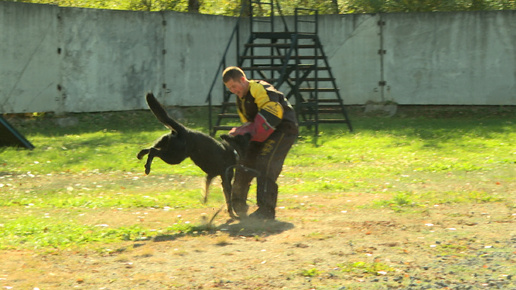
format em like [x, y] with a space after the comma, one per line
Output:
[162, 115]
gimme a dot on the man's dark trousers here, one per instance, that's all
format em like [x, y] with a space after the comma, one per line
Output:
[266, 159]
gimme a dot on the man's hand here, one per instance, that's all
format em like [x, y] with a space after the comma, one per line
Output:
[259, 130]
[247, 128]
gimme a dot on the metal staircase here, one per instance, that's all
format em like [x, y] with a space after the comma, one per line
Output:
[293, 61]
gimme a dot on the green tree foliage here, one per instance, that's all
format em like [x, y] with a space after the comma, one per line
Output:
[375, 6]
[233, 7]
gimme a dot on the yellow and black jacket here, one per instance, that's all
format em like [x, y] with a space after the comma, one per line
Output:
[265, 108]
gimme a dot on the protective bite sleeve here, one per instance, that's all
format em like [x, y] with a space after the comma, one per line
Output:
[264, 123]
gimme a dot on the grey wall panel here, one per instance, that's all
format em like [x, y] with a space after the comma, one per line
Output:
[351, 43]
[109, 58]
[28, 58]
[194, 45]
[466, 58]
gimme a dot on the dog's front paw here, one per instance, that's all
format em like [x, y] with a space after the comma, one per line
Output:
[142, 153]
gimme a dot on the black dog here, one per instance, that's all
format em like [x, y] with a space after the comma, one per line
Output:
[215, 158]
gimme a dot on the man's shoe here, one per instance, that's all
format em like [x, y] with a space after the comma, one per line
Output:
[262, 214]
[240, 209]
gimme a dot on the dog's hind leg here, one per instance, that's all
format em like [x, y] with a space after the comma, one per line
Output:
[226, 186]
[209, 178]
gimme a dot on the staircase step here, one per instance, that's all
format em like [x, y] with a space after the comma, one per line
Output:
[331, 111]
[293, 80]
[322, 110]
[319, 90]
[267, 57]
[279, 67]
[283, 35]
[318, 79]
[338, 101]
[280, 57]
[335, 109]
[279, 45]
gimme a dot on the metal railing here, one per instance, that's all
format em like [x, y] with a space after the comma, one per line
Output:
[222, 64]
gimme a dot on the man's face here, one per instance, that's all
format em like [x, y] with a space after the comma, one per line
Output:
[238, 87]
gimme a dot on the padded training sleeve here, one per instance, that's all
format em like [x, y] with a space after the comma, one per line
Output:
[266, 121]
[261, 129]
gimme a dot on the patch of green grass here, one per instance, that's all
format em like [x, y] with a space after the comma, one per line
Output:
[361, 267]
[452, 249]
[48, 231]
[313, 272]
[398, 202]
[103, 198]
[61, 232]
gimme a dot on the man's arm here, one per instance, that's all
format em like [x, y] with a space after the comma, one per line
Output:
[263, 124]
[269, 115]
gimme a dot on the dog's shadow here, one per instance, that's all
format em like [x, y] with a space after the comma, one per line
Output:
[254, 227]
[243, 228]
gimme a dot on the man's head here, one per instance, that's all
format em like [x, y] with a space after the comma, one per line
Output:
[236, 81]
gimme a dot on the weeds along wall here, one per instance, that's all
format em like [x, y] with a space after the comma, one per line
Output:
[55, 59]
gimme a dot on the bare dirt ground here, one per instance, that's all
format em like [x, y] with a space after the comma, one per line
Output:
[327, 242]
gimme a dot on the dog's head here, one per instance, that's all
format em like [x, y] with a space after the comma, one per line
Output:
[238, 142]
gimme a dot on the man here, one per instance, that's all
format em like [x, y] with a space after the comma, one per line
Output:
[271, 123]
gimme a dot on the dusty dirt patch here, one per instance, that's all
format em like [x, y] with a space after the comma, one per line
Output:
[327, 245]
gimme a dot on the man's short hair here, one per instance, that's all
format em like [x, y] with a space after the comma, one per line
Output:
[232, 73]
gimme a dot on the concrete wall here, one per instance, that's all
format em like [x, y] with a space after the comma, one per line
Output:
[29, 64]
[108, 58]
[351, 43]
[451, 58]
[86, 60]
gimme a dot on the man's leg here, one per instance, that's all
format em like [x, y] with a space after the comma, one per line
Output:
[267, 197]
[270, 163]
[243, 178]
[239, 192]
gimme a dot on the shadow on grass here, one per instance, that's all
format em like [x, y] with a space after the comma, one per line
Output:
[247, 227]
[254, 227]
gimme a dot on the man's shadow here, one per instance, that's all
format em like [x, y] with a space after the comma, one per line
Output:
[248, 227]
[255, 227]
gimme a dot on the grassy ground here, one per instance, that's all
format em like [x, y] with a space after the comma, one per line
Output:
[421, 200]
